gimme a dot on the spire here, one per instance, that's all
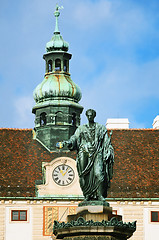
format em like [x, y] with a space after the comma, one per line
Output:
[57, 14]
[57, 43]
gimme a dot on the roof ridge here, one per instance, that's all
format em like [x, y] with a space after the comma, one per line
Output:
[20, 129]
[109, 129]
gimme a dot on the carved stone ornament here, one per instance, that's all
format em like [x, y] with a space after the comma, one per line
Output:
[81, 222]
[76, 227]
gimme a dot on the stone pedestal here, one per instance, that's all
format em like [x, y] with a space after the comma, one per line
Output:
[94, 222]
[95, 210]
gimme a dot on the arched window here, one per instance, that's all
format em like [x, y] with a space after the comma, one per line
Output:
[73, 119]
[50, 66]
[43, 119]
[65, 66]
[57, 64]
[59, 118]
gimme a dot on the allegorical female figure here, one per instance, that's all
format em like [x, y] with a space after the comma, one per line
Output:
[95, 157]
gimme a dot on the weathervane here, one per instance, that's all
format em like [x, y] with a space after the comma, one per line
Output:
[57, 14]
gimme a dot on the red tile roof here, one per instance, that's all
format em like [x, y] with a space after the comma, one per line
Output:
[136, 168]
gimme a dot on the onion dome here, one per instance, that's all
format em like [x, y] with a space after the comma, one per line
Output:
[57, 43]
[57, 87]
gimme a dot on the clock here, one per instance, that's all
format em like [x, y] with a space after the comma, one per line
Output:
[63, 175]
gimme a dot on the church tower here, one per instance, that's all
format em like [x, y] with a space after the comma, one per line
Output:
[57, 111]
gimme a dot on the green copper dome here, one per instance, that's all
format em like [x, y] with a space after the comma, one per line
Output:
[57, 87]
[57, 43]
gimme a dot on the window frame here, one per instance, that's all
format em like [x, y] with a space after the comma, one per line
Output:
[65, 65]
[43, 119]
[19, 211]
[58, 65]
[50, 66]
[151, 217]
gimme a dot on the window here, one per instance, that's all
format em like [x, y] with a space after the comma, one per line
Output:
[155, 216]
[65, 66]
[73, 119]
[19, 215]
[49, 66]
[43, 119]
[57, 64]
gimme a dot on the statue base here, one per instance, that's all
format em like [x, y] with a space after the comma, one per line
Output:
[94, 222]
[94, 210]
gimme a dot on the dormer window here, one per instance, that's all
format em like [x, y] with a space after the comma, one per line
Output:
[50, 66]
[57, 64]
[43, 119]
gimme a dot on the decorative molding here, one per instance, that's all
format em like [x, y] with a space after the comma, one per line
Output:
[82, 222]
[93, 203]
[94, 237]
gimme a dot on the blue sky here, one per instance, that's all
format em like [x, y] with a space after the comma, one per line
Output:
[115, 47]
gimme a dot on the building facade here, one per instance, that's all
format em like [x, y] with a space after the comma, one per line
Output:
[39, 183]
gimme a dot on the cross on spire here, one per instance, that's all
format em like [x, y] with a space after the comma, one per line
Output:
[57, 14]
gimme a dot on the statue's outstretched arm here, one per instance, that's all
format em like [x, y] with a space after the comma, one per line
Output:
[71, 143]
[67, 143]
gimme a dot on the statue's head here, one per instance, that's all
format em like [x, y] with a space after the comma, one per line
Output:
[91, 114]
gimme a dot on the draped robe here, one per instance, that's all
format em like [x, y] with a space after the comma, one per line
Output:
[95, 158]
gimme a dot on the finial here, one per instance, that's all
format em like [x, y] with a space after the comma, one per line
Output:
[57, 14]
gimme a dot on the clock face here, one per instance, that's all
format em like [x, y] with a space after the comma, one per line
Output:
[63, 175]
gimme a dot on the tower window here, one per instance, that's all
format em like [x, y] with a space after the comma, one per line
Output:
[57, 64]
[65, 66]
[43, 119]
[50, 66]
[73, 119]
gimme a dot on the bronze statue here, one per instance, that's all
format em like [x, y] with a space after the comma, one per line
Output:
[95, 157]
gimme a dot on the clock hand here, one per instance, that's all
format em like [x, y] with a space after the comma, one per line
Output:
[65, 172]
[61, 171]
